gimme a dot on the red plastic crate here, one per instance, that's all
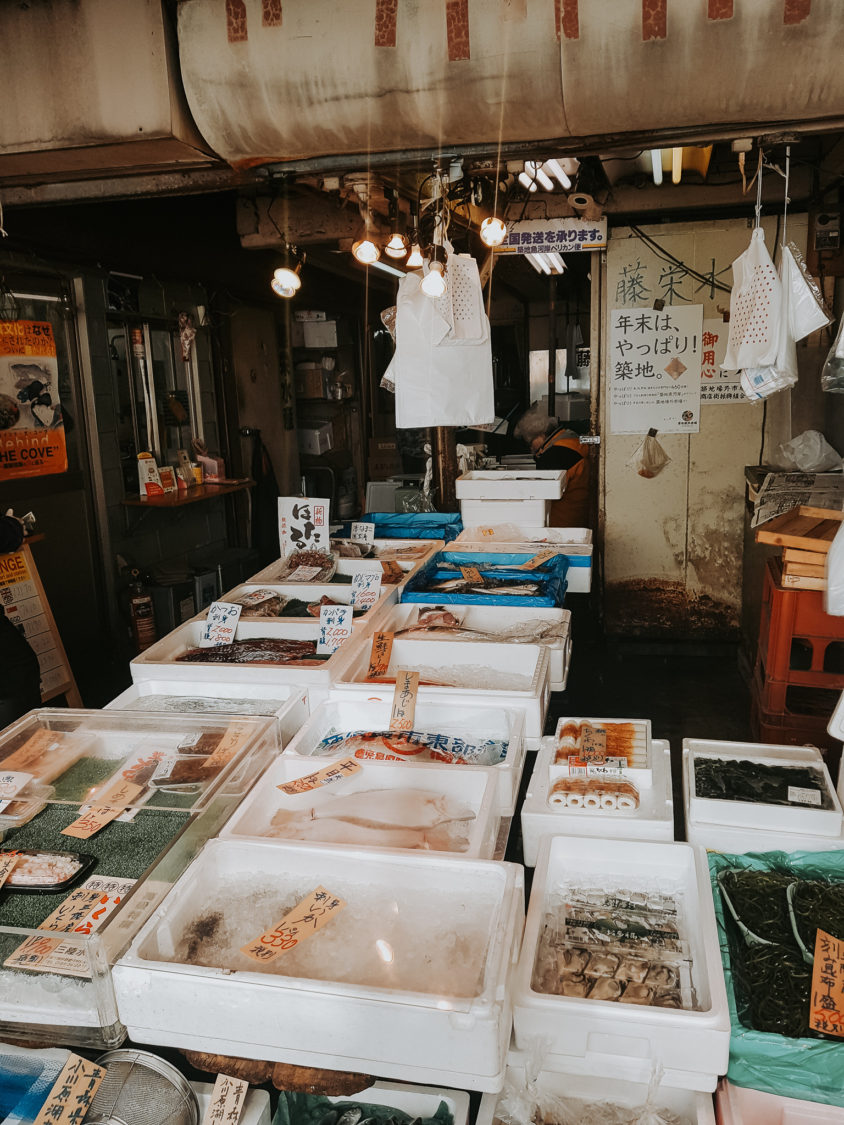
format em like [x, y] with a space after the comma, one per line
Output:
[792, 618]
[794, 730]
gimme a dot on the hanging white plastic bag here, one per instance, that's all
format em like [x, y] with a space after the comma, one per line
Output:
[754, 308]
[834, 594]
[650, 458]
[809, 452]
[806, 311]
[832, 376]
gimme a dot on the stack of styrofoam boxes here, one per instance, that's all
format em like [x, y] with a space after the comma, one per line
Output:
[542, 817]
[751, 826]
[573, 542]
[493, 496]
[610, 1037]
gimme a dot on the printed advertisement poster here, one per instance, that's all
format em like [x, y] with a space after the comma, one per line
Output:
[717, 386]
[654, 370]
[32, 439]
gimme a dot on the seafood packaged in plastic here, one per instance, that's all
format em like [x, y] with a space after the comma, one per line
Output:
[419, 746]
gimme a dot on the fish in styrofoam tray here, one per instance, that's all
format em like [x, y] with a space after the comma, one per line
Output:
[440, 623]
[497, 586]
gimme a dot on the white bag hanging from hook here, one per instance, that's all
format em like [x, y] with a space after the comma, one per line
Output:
[755, 306]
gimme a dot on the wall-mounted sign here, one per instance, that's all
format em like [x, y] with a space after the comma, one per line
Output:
[32, 441]
[717, 386]
[563, 236]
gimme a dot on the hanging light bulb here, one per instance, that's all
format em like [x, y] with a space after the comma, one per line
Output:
[542, 178]
[555, 168]
[415, 261]
[527, 181]
[286, 282]
[366, 251]
[656, 165]
[433, 283]
[397, 246]
[676, 165]
[493, 231]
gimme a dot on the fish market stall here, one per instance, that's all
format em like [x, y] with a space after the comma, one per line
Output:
[621, 790]
[492, 579]
[133, 798]
[382, 987]
[299, 602]
[574, 543]
[497, 624]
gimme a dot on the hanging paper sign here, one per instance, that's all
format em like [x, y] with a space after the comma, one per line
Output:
[308, 916]
[366, 590]
[72, 1092]
[826, 1012]
[220, 624]
[227, 1101]
[654, 370]
[335, 626]
[561, 236]
[379, 655]
[326, 776]
[363, 532]
[404, 700]
[302, 524]
[717, 386]
[32, 439]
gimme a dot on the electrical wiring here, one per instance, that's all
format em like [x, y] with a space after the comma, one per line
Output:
[667, 256]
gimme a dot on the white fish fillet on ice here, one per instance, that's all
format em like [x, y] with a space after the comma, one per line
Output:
[401, 808]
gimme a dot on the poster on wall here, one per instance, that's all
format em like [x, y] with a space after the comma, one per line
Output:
[32, 438]
[717, 386]
[654, 370]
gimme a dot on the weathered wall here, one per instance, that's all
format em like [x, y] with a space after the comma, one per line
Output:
[673, 544]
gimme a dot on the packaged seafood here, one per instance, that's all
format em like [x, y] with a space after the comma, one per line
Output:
[592, 739]
[593, 793]
[298, 604]
[46, 872]
[382, 973]
[411, 746]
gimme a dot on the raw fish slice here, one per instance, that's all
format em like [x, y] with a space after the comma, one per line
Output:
[438, 615]
[381, 808]
[301, 826]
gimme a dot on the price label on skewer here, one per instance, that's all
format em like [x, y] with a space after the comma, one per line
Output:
[379, 655]
[472, 574]
[8, 861]
[346, 767]
[404, 700]
[308, 916]
[110, 804]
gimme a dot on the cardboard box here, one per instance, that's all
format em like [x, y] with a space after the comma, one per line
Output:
[316, 439]
[321, 334]
[308, 380]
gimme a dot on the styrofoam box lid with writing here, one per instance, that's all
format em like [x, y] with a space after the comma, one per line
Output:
[795, 817]
[510, 484]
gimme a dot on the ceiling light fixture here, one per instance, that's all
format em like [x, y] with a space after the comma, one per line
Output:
[286, 282]
[415, 261]
[433, 283]
[527, 181]
[676, 165]
[556, 261]
[555, 168]
[493, 231]
[366, 251]
[397, 246]
[656, 165]
[531, 259]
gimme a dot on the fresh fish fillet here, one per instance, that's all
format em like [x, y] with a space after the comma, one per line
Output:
[385, 808]
[257, 650]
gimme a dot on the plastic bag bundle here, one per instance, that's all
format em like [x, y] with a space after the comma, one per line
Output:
[809, 452]
[650, 458]
[755, 304]
[832, 376]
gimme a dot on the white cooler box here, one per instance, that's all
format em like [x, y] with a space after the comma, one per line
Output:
[535, 512]
[510, 484]
[652, 820]
[750, 826]
[492, 619]
[408, 979]
[736, 1105]
[607, 1036]
[491, 666]
[269, 813]
[350, 713]
[287, 703]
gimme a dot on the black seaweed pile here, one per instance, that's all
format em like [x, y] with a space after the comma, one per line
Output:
[738, 779]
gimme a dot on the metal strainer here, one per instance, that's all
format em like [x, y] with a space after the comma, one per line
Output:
[142, 1089]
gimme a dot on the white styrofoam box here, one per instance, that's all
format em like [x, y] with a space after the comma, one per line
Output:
[835, 726]
[491, 619]
[692, 1046]
[690, 1106]
[510, 484]
[476, 791]
[256, 1104]
[353, 713]
[417, 1101]
[530, 662]
[735, 1105]
[486, 512]
[455, 1034]
[288, 703]
[308, 592]
[653, 820]
[798, 817]
[160, 661]
[573, 542]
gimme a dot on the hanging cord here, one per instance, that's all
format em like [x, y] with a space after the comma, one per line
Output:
[758, 179]
[786, 200]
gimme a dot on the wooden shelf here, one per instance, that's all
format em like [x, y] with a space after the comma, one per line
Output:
[191, 496]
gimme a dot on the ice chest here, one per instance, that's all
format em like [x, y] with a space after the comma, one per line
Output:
[372, 999]
[692, 1046]
[652, 820]
[510, 484]
[525, 667]
[505, 511]
[351, 713]
[735, 1105]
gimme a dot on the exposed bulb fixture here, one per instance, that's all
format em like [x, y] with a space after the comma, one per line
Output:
[493, 231]
[656, 165]
[676, 165]
[433, 283]
[555, 168]
[415, 261]
[366, 251]
[396, 247]
[286, 282]
[527, 181]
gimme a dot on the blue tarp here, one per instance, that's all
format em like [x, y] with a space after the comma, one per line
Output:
[411, 525]
[551, 576]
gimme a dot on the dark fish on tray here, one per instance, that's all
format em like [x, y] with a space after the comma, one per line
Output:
[496, 586]
[256, 650]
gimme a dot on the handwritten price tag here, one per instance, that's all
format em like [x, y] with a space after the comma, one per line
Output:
[72, 1092]
[538, 560]
[404, 700]
[220, 624]
[327, 776]
[379, 655]
[593, 741]
[303, 574]
[8, 860]
[32, 750]
[363, 532]
[335, 626]
[366, 590]
[234, 737]
[11, 783]
[826, 1013]
[308, 916]
[227, 1100]
[472, 574]
[110, 804]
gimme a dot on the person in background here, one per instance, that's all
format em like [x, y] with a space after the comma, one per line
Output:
[554, 446]
[20, 676]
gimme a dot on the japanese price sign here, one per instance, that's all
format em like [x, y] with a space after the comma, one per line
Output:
[404, 700]
[8, 860]
[72, 1093]
[543, 236]
[220, 624]
[379, 655]
[335, 625]
[227, 1100]
[363, 532]
[326, 776]
[717, 386]
[110, 804]
[32, 441]
[308, 916]
[234, 737]
[539, 560]
[472, 574]
[11, 783]
[654, 370]
[826, 1013]
[302, 524]
[366, 590]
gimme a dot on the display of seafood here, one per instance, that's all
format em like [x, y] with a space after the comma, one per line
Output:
[606, 946]
[508, 587]
[261, 603]
[627, 740]
[323, 562]
[315, 607]
[389, 818]
[436, 621]
[572, 1111]
[43, 754]
[356, 549]
[45, 870]
[205, 704]
[413, 746]
[257, 650]
[742, 779]
[310, 1109]
[594, 794]
[462, 676]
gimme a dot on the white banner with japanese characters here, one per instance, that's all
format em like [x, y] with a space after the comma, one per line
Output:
[654, 370]
[544, 236]
[302, 524]
[717, 386]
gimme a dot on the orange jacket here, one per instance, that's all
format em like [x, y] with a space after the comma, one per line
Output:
[572, 509]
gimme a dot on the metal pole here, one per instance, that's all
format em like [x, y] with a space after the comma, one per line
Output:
[552, 344]
[444, 466]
